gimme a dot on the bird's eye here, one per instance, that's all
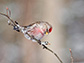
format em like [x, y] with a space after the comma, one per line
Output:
[50, 29]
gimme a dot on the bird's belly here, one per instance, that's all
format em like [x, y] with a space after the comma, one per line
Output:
[36, 34]
[39, 36]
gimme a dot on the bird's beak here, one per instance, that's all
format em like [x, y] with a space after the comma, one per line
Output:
[46, 33]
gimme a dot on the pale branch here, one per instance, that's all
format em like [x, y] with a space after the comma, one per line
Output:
[52, 52]
[38, 41]
[9, 18]
[71, 56]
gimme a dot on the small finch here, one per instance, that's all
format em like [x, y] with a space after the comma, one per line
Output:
[37, 30]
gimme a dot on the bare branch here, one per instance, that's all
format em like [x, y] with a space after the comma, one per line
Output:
[38, 41]
[8, 11]
[8, 18]
[71, 56]
[52, 52]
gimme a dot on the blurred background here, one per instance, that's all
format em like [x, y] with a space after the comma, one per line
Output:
[67, 19]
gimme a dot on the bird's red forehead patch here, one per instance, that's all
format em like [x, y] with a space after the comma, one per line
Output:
[50, 29]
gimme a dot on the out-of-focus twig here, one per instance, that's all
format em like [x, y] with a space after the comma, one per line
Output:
[38, 41]
[71, 55]
[8, 18]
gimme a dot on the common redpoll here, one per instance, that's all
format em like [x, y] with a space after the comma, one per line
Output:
[36, 30]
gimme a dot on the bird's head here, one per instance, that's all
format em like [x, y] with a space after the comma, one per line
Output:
[48, 31]
[48, 28]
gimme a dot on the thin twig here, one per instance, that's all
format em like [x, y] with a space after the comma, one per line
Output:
[38, 41]
[71, 56]
[53, 53]
[8, 18]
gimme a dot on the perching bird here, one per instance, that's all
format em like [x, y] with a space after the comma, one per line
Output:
[37, 30]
